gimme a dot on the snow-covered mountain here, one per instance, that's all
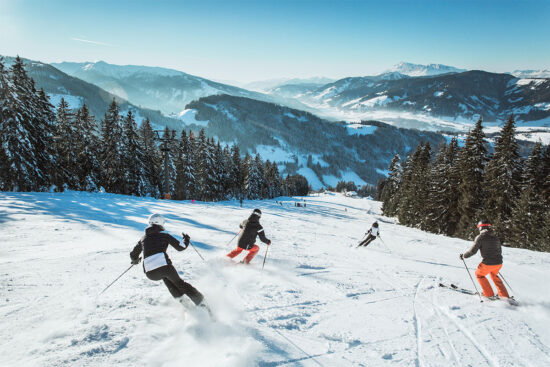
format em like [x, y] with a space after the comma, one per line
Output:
[76, 92]
[407, 68]
[324, 152]
[466, 95]
[157, 88]
[545, 73]
[267, 85]
[319, 301]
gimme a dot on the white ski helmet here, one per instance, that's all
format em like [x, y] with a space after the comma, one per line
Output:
[156, 219]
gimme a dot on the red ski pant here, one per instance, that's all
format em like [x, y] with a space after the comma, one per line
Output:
[482, 271]
[251, 253]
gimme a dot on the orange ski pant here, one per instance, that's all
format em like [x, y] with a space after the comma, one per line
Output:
[251, 253]
[482, 271]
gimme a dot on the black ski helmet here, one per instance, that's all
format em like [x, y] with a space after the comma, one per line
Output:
[375, 224]
[483, 224]
[257, 212]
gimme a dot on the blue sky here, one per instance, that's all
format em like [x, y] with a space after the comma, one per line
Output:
[254, 40]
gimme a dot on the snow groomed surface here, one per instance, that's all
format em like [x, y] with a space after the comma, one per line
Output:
[320, 301]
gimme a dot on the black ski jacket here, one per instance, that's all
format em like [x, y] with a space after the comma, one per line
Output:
[155, 241]
[489, 246]
[251, 228]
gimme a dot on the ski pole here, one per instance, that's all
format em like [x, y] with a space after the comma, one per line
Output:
[380, 238]
[502, 276]
[265, 256]
[194, 248]
[113, 282]
[227, 244]
[468, 270]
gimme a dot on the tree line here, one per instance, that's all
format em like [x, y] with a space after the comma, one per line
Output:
[450, 191]
[44, 148]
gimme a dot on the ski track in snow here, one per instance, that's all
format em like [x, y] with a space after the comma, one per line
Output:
[320, 301]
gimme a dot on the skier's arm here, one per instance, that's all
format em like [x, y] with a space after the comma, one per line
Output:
[241, 226]
[134, 254]
[261, 233]
[174, 242]
[473, 250]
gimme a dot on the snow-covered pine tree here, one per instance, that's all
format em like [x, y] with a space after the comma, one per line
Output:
[25, 133]
[272, 180]
[443, 194]
[185, 169]
[169, 171]
[219, 171]
[503, 180]
[237, 173]
[132, 158]
[87, 150]
[471, 165]
[65, 142]
[415, 187]
[391, 188]
[151, 159]
[529, 211]
[113, 173]
[205, 172]
[46, 145]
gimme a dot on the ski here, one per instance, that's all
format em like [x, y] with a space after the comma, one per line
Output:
[511, 301]
[458, 289]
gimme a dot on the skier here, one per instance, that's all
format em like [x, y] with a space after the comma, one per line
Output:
[372, 233]
[251, 228]
[491, 253]
[157, 264]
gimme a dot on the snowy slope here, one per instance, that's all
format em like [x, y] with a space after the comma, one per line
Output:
[411, 69]
[319, 302]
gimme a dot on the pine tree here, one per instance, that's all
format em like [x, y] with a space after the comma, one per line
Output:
[25, 133]
[112, 175]
[237, 173]
[132, 159]
[168, 169]
[87, 150]
[392, 187]
[185, 169]
[442, 203]
[151, 159]
[66, 145]
[206, 175]
[529, 211]
[503, 180]
[471, 165]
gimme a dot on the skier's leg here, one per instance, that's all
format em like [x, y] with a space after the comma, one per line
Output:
[251, 253]
[162, 274]
[481, 271]
[502, 292]
[173, 278]
[369, 239]
[363, 243]
[235, 252]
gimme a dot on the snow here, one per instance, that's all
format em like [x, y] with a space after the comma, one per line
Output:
[358, 129]
[188, 117]
[319, 301]
[522, 82]
[274, 154]
[311, 177]
[352, 176]
[439, 93]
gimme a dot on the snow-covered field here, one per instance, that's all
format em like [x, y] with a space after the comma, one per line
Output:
[320, 301]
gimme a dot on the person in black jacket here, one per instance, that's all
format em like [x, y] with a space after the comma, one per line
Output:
[251, 228]
[157, 264]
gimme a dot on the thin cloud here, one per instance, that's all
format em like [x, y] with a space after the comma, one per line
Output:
[92, 42]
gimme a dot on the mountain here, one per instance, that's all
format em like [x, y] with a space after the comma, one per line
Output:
[531, 73]
[323, 151]
[410, 69]
[270, 84]
[156, 88]
[76, 92]
[456, 95]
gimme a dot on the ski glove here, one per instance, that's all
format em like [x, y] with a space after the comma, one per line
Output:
[136, 261]
[268, 242]
[186, 239]
[461, 256]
